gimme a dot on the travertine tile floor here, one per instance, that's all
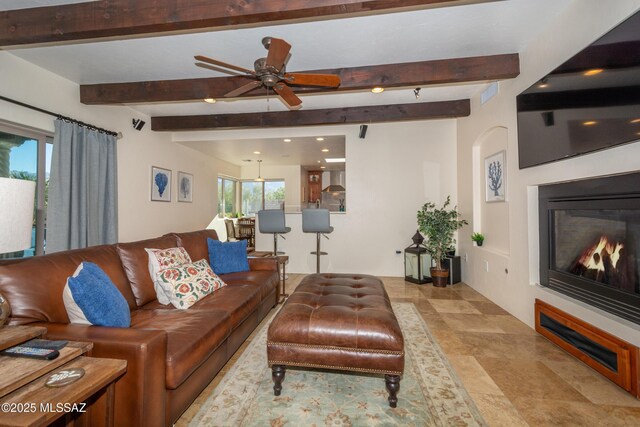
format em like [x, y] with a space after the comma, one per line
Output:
[515, 376]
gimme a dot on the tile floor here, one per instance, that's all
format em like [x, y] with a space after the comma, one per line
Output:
[515, 376]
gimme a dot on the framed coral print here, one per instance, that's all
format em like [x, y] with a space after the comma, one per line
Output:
[495, 177]
[160, 184]
[185, 187]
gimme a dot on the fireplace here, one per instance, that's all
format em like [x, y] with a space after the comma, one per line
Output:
[590, 239]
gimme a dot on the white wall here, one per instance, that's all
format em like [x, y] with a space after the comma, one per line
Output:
[137, 151]
[289, 173]
[580, 24]
[390, 175]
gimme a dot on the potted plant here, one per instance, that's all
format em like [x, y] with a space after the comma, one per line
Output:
[478, 238]
[438, 226]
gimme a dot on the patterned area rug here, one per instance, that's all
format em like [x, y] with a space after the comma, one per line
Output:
[430, 393]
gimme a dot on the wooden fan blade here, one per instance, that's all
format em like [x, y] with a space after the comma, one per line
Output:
[328, 80]
[223, 64]
[278, 51]
[244, 88]
[287, 96]
[220, 69]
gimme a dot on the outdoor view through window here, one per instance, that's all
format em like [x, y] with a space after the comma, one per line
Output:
[20, 155]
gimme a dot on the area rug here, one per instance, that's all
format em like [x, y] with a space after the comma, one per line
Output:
[430, 393]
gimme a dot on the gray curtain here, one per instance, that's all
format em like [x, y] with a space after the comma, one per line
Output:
[82, 209]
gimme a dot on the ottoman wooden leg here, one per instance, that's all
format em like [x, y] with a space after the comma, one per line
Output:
[277, 374]
[393, 386]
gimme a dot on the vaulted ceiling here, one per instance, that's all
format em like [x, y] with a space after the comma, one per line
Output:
[142, 54]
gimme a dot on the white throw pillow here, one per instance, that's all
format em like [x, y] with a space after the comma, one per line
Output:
[75, 313]
[187, 284]
[161, 259]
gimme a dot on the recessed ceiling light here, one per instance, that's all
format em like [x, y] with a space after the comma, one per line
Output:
[377, 89]
[319, 161]
[323, 167]
[325, 150]
[320, 139]
[210, 100]
[589, 123]
[635, 121]
[256, 152]
[335, 160]
[593, 71]
[286, 140]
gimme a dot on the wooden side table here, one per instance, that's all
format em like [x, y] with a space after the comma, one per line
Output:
[26, 401]
[281, 294]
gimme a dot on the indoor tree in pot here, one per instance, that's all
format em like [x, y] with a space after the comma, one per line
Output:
[438, 226]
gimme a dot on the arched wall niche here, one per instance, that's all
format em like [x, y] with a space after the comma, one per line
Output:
[490, 218]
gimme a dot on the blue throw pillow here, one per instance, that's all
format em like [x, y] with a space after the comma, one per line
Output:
[91, 298]
[228, 257]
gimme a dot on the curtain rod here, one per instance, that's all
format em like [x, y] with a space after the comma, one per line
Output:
[59, 116]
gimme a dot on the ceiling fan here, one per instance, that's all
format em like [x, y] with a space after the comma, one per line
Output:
[270, 73]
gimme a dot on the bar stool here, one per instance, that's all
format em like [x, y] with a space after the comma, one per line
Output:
[271, 221]
[316, 221]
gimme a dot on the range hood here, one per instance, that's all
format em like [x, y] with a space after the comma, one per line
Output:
[336, 182]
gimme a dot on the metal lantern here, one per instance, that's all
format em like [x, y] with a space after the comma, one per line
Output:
[417, 262]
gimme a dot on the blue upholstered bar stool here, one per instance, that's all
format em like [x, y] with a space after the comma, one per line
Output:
[271, 221]
[316, 221]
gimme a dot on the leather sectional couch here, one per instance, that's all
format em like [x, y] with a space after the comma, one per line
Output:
[172, 354]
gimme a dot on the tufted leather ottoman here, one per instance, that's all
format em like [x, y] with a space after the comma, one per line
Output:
[338, 321]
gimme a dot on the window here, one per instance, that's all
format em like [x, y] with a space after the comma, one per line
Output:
[262, 195]
[274, 195]
[251, 197]
[227, 189]
[25, 154]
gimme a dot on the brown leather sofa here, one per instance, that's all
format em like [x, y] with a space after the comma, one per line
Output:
[172, 354]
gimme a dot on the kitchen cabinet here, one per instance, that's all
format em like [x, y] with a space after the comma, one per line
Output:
[315, 186]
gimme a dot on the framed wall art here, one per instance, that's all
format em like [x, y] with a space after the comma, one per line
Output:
[160, 184]
[185, 187]
[495, 177]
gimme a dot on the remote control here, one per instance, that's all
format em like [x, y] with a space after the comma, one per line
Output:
[48, 344]
[31, 352]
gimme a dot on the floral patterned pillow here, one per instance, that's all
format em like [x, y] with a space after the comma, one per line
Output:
[185, 285]
[161, 259]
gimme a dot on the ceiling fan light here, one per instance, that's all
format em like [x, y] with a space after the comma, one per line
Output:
[210, 100]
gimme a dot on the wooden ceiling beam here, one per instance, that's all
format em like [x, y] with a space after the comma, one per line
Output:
[349, 115]
[412, 74]
[126, 18]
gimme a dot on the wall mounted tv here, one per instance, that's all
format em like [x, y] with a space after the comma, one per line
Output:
[589, 103]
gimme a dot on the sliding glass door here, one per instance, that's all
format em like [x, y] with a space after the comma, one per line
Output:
[25, 154]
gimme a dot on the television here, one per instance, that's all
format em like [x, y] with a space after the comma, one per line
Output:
[591, 102]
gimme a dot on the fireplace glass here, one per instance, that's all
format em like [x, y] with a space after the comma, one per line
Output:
[599, 245]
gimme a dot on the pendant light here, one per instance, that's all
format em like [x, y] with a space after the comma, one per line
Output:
[259, 178]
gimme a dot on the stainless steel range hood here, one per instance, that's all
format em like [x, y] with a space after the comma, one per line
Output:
[336, 182]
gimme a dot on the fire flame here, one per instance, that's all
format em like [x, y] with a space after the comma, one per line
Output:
[592, 258]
